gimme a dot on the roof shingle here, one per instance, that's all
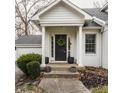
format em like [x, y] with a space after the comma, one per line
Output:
[97, 13]
[31, 39]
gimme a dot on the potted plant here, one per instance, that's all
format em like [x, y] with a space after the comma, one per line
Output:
[47, 69]
[73, 69]
[46, 60]
[70, 60]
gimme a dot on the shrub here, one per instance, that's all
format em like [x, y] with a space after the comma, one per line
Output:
[33, 69]
[24, 59]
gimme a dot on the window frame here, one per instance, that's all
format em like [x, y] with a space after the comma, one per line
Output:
[52, 46]
[91, 53]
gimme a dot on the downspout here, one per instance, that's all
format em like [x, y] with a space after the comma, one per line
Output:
[102, 23]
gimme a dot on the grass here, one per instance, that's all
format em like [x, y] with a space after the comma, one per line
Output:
[100, 90]
[29, 89]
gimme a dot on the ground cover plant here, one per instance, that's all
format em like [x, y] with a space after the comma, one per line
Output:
[27, 85]
[93, 77]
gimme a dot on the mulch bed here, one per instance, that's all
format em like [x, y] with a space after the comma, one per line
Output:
[94, 77]
[26, 85]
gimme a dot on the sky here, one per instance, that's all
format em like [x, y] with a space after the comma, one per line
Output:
[86, 3]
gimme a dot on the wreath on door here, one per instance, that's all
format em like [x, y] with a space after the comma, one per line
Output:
[61, 42]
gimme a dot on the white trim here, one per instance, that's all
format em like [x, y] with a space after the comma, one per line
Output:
[59, 62]
[99, 21]
[76, 8]
[92, 27]
[54, 47]
[105, 6]
[66, 47]
[28, 46]
[91, 54]
[43, 46]
[80, 47]
[77, 41]
[44, 10]
[100, 50]
[64, 24]
[67, 3]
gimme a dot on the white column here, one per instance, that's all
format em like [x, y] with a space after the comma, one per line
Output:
[77, 47]
[43, 46]
[80, 51]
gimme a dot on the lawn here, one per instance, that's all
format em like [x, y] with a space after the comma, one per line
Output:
[100, 90]
[28, 89]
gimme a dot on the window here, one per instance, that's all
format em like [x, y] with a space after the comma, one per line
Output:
[90, 43]
[52, 46]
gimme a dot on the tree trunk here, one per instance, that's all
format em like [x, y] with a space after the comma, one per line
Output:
[26, 28]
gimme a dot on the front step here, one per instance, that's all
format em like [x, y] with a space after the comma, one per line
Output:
[61, 74]
[61, 66]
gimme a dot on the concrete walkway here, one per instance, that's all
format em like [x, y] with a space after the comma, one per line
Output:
[62, 85]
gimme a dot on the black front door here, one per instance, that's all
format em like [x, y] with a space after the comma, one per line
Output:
[60, 47]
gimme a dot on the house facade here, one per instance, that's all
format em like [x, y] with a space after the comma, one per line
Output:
[67, 31]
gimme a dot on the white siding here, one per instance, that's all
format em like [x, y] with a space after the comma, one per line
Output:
[88, 59]
[61, 14]
[105, 49]
[69, 31]
[20, 51]
[92, 59]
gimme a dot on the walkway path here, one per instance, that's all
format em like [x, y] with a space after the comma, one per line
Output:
[61, 85]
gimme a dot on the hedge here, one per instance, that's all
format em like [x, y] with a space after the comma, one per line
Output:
[33, 69]
[25, 59]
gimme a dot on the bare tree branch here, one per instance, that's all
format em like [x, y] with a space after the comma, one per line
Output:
[33, 5]
[99, 3]
[26, 9]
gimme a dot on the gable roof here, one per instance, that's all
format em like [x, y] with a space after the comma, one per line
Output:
[105, 7]
[90, 23]
[31, 39]
[97, 13]
[66, 2]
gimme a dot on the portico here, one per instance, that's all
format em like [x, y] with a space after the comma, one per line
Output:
[74, 50]
[65, 35]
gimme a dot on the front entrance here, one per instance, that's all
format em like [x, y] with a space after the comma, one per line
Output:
[60, 47]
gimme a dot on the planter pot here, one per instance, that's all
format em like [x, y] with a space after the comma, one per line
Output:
[70, 60]
[47, 69]
[46, 60]
[73, 69]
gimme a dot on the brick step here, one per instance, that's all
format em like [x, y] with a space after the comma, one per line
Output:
[61, 74]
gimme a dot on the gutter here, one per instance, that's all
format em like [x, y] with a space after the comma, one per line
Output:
[92, 27]
[28, 46]
[99, 21]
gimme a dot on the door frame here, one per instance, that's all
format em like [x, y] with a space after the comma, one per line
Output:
[55, 50]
